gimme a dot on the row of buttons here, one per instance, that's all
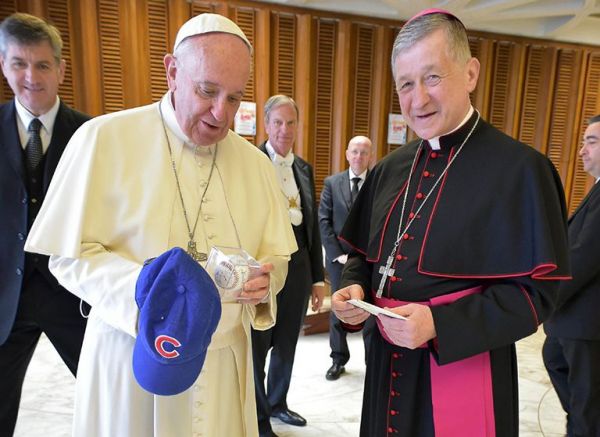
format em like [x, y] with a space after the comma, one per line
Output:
[411, 215]
[394, 393]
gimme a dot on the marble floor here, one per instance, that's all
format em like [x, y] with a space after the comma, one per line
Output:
[332, 408]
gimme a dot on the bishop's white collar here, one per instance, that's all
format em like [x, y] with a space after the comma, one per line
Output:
[435, 141]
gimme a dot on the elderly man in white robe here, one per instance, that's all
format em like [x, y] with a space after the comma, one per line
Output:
[133, 184]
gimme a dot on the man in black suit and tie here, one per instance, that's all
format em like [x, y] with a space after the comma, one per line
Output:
[337, 198]
[34, 130]
[572, 348]
[305, 269]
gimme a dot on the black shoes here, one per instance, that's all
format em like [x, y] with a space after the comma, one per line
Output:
[334, 372]
[289, 417]
[269, 433]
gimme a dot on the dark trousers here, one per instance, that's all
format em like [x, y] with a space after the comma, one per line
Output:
[574, 369]
[42, 308]
[337, 336]
[292, 302]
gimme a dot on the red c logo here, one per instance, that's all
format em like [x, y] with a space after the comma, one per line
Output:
[159, 346]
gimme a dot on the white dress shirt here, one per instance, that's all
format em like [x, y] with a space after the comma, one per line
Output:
[24, 118]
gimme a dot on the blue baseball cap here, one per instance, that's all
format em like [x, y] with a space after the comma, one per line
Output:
[180, 309]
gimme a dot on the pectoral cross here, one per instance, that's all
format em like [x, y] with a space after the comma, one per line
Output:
[386, 272]
[193, 252]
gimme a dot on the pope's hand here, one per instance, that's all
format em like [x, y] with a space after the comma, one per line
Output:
[346, 312]
[256, 290]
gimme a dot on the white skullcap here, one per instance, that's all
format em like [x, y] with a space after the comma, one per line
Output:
[208, 23]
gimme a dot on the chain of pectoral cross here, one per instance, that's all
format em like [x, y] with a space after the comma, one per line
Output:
[387, 271]
[191, 247]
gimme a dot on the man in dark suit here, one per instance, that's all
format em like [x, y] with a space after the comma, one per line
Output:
[572, 348]
[337, 198]
[34, 130]
[305, 269]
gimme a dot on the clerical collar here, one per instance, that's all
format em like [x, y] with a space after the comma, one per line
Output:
[168, 111]
[362, 176]
[47, 119]
[434, 142]
[273, 154]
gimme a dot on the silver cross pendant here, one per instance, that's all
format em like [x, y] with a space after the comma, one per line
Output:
[386, 272]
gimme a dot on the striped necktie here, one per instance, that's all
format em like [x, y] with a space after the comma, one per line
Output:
[33, 150]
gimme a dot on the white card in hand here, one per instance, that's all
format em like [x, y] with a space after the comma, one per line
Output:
[373, 309]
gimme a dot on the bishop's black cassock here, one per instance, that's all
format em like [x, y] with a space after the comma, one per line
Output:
[494, 225]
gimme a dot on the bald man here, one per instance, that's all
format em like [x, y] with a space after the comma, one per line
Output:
[337, 198]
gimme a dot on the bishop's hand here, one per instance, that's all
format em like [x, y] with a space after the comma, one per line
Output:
[417, 329]
[348, 313]
[256, 290]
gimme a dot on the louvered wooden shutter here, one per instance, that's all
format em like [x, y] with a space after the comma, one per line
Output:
[59, 17]
[157, 13]
[539, 72]
[325, 68]
[201, 8]
[246, 19]
[284, 53]
[363, 66]
[505, 77]
[563, 136]
[110, 55]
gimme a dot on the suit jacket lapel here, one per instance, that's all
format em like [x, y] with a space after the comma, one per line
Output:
[585, 200]
[10, 142]
[61, 133]
[303, 182]
[344, 187]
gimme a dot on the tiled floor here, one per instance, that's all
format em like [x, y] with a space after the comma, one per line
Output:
[331, 408]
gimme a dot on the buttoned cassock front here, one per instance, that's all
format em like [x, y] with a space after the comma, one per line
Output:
[113, 204]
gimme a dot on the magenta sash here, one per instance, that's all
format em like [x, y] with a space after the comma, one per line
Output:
[461, 392]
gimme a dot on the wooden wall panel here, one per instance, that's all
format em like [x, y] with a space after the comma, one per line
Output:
[336, 66]
[305, 46]
[110, 55]
[562, 133]
[59, 15]
[506, 75]
[324, 87]
[364, 59]
[158, 28]
[284, 54]
[246, 19]
[200, 7]
[381, 80]
[536, 101]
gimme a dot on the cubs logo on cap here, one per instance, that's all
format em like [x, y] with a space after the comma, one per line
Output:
[180, 309]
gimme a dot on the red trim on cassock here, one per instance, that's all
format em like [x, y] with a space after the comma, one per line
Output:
[352, 246]
[533, 311]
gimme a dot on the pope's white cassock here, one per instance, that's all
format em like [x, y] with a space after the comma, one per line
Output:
[114, 203]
